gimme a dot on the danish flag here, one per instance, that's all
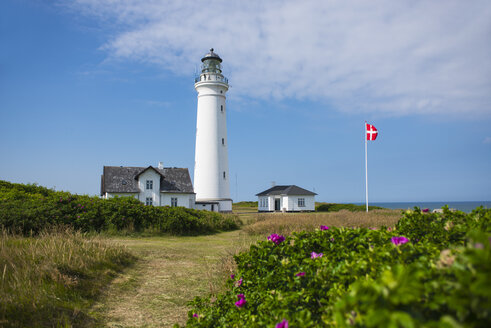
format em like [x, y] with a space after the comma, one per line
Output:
[371, 132]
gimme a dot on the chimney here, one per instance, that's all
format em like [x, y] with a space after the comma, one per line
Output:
[161, 165]
[273, 183]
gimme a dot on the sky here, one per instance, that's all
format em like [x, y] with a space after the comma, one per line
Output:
[88, 83]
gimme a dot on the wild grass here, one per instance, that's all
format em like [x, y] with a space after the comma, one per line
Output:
[286, 223]
[171, 271]
[52, 279]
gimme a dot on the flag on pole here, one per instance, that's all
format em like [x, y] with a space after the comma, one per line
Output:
[371, 132]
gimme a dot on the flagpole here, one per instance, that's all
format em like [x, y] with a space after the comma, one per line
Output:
[366, 167]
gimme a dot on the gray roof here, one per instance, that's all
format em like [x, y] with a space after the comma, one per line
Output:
[124, 179]
[286, 190]
[211, 55]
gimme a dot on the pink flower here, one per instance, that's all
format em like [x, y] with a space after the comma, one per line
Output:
[399, 240]
[283, 324]
[275, 238]
[425, 210]
[241, 302]
[232, 276]
[300, 274]
[315, 255]
[195, 315]
[323, 227]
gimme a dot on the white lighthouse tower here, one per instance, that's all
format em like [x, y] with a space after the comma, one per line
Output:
[211, 178]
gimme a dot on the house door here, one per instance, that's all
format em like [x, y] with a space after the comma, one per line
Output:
[277, 204]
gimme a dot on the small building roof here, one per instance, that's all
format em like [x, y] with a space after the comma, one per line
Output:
[286, 190]
[124, 179]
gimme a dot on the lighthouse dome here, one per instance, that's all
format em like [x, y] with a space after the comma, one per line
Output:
[211, 55]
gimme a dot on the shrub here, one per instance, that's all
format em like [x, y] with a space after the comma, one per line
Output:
[364, 277]
[332, 207]
[29, 209]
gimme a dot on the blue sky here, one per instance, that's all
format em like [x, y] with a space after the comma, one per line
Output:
[90, 83]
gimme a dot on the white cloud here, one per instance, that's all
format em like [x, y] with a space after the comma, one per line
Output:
[391, 57]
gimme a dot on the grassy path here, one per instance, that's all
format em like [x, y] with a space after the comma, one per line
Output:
[172, 270]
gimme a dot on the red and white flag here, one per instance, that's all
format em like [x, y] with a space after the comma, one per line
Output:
[371, 132]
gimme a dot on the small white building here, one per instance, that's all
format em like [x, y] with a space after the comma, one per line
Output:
[169, 186]
[286, 199]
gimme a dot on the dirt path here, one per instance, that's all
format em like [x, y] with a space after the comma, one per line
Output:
[171, 272]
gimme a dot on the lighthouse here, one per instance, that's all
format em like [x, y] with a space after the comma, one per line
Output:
[211, 177]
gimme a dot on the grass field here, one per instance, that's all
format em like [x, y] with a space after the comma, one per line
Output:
[52, 280]
[286, 223]
[170, 271]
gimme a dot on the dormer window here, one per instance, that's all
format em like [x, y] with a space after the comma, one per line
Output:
[149, 184]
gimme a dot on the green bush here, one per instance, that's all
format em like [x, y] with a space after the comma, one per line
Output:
[29, 209]
[440, 277]
[332, 207]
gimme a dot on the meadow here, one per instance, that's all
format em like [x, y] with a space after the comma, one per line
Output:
[146, 278]
[52, 280]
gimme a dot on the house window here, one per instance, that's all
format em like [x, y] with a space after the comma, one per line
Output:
[301, 202]
[149, 184]
[149, 201]
[173, 201]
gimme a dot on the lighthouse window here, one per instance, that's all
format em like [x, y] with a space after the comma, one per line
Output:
[224, 174]
[221, 108]
[223, 141]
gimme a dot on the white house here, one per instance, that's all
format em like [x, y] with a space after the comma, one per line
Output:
[286, 199]
[169, 186]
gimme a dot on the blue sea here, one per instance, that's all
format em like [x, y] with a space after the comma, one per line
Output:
[460, 206]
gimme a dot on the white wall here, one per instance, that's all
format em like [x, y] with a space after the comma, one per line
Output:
[263, 203]
[155, 191]
[206, 207]
[184, 200]
[288, 203]
[293, 203]
[225, 205]
[211, 156]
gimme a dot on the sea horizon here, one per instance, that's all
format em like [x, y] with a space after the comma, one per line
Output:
[464, 206]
